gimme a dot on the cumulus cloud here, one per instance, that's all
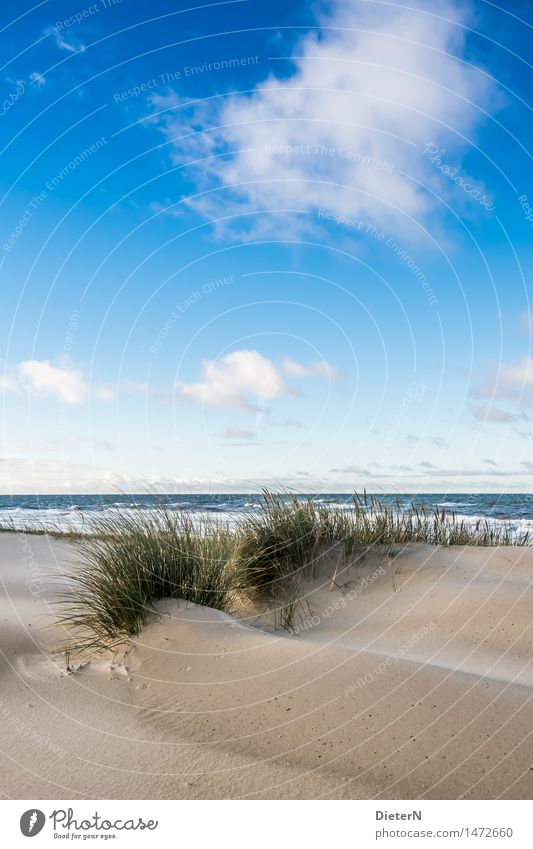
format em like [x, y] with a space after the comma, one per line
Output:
[318, 369]
[240, 379]
[248, 380]
[345, 130]
[65, 383]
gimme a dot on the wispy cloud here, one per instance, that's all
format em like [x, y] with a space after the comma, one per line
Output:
[74, 440]
[283, 423]
[136, 387]
[437, 441]
[344, 131]
[321, 368]
[167, 208]
[352, 470]
[508, 381]
[7, 385]
[236, 433]
[426, 470]
[489, 413]
[71, 45]
[515, 377]
[37, 79]
[105, 391]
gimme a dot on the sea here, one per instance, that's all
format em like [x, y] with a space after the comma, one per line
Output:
[75, 512]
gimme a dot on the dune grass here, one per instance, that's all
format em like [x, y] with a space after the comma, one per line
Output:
[131, 560]
[375, 523]
[126, 563]
[41, 530]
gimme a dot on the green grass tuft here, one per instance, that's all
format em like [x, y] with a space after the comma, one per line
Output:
[130, 561]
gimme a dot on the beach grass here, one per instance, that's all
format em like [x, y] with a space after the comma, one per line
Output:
[39, 530]
[129, 561]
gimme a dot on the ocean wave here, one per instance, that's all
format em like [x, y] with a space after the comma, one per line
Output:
[65, 514]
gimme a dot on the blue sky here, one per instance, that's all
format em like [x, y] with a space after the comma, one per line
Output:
[248, 244]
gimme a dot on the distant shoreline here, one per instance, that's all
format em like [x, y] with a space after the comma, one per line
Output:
[70, 513]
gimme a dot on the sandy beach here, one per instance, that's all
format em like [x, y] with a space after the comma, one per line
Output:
[409, 682]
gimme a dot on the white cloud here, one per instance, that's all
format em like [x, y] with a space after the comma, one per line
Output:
[63, 381]
[437, 441]
[167, 208]
[346, 130]
[236, 433]
[241, 379]
[7, 385]
[513, 381]
[70, 45]
[247, 379]
[318, 369]
[352, 470]
[22, 475]
[428, 471]
[105, 392]
[38, 79]
[74, 440]
[136, 387]
[489, 413]
[67, 384]
[519, 375]
[284, 423]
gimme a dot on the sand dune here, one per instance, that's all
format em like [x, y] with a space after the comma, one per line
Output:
[407, 680]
